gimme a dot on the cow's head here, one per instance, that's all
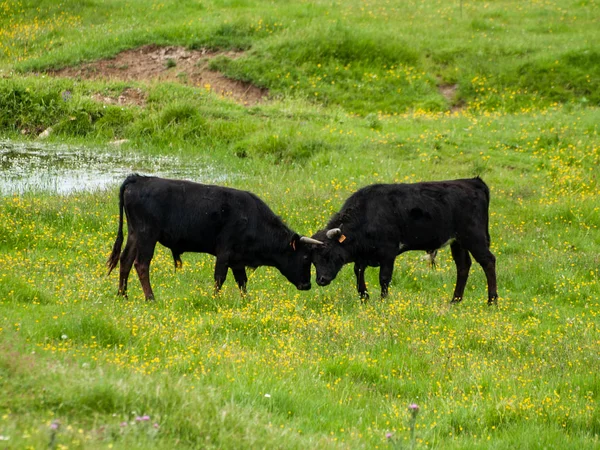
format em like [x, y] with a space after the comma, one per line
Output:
[329, 257]
[295, 263]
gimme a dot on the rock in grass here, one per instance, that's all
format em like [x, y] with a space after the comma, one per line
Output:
[44, 134]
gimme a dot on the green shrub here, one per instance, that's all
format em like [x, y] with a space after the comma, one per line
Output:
[30, 106]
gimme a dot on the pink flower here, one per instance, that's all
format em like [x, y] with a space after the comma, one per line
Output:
[413, 408]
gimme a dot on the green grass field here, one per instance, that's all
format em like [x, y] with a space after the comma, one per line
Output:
[356, 96]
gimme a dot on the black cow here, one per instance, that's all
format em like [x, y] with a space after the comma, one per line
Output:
[381, 221]
[235, 226]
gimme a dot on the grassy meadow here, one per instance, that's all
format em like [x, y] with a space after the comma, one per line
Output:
[358, 94]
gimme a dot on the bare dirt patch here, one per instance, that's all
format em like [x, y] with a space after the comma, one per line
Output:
[449, 93]
[176, 64]
[129, 96]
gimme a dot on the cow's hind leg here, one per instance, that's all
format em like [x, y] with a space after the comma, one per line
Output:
[126, 261]
[361, 286]
[487, 260]
[463, 264]
[239, 273]
[145, 252]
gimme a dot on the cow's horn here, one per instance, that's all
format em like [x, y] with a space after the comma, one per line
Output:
[334, 233]
[307, 240]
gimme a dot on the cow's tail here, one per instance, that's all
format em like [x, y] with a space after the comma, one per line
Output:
[486, 191]
[113, 259]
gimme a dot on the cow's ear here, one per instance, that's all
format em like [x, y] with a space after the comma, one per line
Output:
[294, 242]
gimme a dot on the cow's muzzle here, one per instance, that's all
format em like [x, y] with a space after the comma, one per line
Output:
[323, 281]
[303, 286]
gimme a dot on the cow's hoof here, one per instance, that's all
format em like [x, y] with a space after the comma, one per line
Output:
[456, 300]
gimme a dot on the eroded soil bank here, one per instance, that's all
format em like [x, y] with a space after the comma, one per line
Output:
[176, 64]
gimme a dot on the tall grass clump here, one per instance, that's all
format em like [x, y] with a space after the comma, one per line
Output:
[573, 75]
[31, 105]
[340, 65]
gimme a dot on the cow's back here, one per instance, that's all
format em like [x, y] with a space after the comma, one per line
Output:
[418, 216]
[188, 216]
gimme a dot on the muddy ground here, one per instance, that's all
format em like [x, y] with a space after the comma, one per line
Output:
[154, 63]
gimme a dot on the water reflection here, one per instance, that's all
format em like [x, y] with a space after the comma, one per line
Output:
[26, 167]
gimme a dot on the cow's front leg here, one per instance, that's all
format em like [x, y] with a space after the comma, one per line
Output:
[361, 286]
[221, 268]
[239, 273]
[385, 276]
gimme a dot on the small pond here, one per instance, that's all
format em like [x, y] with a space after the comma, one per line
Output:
[62, 169]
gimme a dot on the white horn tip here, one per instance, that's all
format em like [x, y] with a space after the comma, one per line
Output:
[307, 240]
[334, 233]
